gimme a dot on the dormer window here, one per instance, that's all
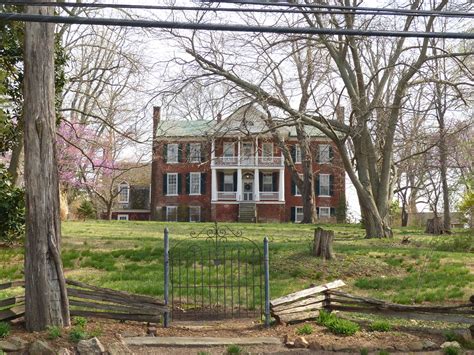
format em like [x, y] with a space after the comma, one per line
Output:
[124, 192]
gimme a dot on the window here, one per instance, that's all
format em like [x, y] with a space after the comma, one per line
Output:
[324, 185]
[124, 193]
[297, 154]
[267, 183]
[172, 184]
[229, 182]
[194, 213]
[172, 153]
[172, 213]
[324, 153]
[324, 212]
[267, 151]
[228, 151]
[122, 217]
[298, 214]
[194, 183]
[194, 153]
[297, 191]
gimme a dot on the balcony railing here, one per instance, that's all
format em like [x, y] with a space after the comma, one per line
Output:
[248, 161]
[247, 196]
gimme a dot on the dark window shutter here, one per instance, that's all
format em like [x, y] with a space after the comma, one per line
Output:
[331, 153]
[317, 154]
[317, 186]
[165, 152]
[165, 184]
[293, 187]
[260, 181]
[188, 190]
[180, 153]
[317, 211]
[203, 183]
[235, 181]
[188, 152]
[293, 152]
[293, 214]
[275, 182]
[331, 185]
[221, 181]
[333, 211]
[163, 213]
[180, 183]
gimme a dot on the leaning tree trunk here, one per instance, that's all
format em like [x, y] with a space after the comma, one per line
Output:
[46, 301]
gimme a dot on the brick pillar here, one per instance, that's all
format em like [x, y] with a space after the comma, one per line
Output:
[155, 171]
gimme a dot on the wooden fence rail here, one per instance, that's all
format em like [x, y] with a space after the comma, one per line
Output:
[92, 301]
[306, 304]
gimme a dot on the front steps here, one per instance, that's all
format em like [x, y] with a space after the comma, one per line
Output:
[247, 212]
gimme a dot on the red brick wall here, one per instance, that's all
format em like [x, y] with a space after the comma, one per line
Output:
[271, 213]
[133, 216]
[226, 212]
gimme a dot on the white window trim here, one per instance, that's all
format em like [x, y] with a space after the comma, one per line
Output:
[263, 182]
[232, 150]
[197, 207]
[296, 213]
[319, 154]
[119, 216]
[325, 208]
[168, 153]
[233, 187]
[121, 186]
[198, 159]
[329, 185]
[190, 183]
[298, 154]
[297, 191]
[168, 184]
[168, 209]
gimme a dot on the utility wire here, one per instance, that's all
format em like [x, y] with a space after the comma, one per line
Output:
[320, 9]
[222, 27]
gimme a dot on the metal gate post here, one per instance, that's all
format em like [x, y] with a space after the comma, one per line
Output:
[266, 263]
[166, 315]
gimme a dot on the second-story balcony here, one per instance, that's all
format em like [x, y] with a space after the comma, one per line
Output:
[247, 161]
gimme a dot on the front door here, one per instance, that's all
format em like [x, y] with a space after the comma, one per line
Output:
[248, 190]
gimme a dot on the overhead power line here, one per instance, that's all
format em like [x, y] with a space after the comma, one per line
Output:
[223, 27]
[311, 8]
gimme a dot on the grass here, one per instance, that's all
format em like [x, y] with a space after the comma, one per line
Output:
[337, 325]
[4, 329]
[129, 256]
[306, 329]
[380, 326]
[234, 350]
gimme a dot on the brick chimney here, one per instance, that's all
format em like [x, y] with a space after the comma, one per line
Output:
[219, 117]
[155, 169]
[340, 113]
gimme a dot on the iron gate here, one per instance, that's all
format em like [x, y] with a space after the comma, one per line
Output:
[216, 273]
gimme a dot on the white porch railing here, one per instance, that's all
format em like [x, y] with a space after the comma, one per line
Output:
[248, 161]
[226, 196]
[269, 196]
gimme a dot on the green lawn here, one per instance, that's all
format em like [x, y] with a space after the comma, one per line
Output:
[129, 256]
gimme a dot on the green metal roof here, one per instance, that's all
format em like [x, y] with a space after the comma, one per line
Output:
[184, 128]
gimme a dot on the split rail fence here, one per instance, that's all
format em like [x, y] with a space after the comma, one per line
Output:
[306, 304]
[91, 301]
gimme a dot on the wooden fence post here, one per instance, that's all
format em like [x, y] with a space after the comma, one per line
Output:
[322, 246]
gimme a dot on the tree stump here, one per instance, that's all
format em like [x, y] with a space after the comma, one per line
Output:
[322, 246]
[435, 226]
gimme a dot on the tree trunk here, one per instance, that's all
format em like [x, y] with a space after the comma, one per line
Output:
[14, 166]
[434, 226]
[443, 160]
[322, 247]
[404, 215]
[109, 211]
[46, 302]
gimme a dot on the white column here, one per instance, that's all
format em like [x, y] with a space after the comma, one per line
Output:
[238, 151]
[281, 183]
[239, 185]
[256, 185]
[213, 151]
[214, 185]
[256, 151]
